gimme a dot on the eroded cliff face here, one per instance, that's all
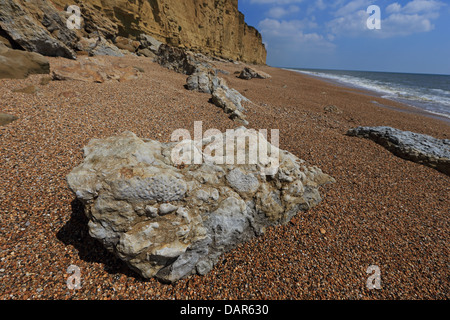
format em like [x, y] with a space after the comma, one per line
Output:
[212, 27]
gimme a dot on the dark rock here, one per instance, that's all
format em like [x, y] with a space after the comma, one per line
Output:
[176, 59]
[412, 146]
[31, 35]
[249, 73]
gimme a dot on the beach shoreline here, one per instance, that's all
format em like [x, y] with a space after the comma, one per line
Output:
[407, 107]
[382, 210]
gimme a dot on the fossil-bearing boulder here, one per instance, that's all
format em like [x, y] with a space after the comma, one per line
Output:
[408, 145]
[169, 213]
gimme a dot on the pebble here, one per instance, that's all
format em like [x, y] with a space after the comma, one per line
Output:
[295, 261]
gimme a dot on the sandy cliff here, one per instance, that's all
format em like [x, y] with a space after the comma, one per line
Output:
[213, 27]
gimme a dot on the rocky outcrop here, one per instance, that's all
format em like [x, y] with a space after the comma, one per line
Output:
[170, 213]
[408, 145]
[37, 26]
[17, 64]
[150, 43]
[212, 27]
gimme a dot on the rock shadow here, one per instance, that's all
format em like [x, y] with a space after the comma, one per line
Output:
[76, 233]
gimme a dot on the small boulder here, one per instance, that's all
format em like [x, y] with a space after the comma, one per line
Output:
[249, 73]
[204, 80]
[146, 53]
[127, 44]
[18, 64]
[6, 119]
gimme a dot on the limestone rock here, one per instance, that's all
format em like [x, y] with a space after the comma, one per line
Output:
[150, 43]
[408, 145]
[249, 73]
[17, 64]
[204, 80]
[169, 215]
[230, 101]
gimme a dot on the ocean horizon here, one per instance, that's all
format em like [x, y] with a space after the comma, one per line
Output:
[427, 92]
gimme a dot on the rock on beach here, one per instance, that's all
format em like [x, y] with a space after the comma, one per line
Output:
[412, 146]
[167, 218]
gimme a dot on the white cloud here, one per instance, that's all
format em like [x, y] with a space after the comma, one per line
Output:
[423, 6]
[394, 7]
[405, 24]
[277, 2]
[416, 16]
[320, 5]
[293, 34]
[352, 7]
[279, 12]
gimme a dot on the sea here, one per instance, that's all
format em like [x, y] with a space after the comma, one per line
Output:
[428, 92]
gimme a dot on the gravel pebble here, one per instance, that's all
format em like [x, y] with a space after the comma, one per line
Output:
[382, 210]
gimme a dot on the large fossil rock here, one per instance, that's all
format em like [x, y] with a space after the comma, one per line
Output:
[409, 145]
[170, 213]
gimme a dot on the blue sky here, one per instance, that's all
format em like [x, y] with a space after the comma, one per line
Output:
[414, 35]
